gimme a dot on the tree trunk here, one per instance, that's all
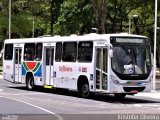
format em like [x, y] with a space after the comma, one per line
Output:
[114, 25]
[100, 11]
[52, 16]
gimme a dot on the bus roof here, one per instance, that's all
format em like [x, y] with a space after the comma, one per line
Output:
[86, 37]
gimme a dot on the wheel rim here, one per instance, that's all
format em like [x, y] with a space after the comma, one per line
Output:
[85, 90]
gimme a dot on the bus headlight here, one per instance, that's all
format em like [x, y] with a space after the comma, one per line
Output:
[114, 79]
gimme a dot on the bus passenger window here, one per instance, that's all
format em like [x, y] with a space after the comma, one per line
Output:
[39, 47]
[8, 52]
[29, 51]
[85, 50]
[69, 51]
[58, 52]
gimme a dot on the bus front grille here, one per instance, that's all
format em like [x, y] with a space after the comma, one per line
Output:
[129, 89]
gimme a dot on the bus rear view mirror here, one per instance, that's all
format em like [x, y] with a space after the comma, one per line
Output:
[111, 53]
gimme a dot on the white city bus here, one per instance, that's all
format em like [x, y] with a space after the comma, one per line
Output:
[116, 64]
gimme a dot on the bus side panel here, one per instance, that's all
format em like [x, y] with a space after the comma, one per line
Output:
[87, 70]
[38, 75]
[65, 75]
[8, 73]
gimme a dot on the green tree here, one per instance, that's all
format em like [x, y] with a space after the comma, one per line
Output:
[122, 10]
[75, 17]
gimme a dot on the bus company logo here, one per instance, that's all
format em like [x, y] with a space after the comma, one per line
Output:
[65, 69]
[31, 66]
[34, 67]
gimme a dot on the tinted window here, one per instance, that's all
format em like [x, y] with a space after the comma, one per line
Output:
[52, 55]
[18, 53]
[16, 56]
[8, 54]
[33, 51]
[85, 50]
[69, 51]
[39, 47]
[58, 52]
[49, 56]
[29, 51]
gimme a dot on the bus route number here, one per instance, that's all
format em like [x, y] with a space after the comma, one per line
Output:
[101, 43]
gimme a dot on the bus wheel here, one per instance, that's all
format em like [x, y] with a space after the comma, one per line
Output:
[84, 90]
[120, 95]
[30, 83]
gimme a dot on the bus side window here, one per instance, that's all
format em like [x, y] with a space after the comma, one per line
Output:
[69, 51]
[58, 55]
[29, 51]
[8, 52]
[39, 47]
[85, 51]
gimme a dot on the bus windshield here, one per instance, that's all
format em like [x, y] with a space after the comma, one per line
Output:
[131, 59]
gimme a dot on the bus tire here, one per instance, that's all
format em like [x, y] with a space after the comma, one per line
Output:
[30, 82]
[120, 95]
[84, 90]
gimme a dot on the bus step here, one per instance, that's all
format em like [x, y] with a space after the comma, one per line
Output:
[48, 86]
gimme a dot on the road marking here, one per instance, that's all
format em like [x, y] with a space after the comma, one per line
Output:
[50, 112]
[21, 94]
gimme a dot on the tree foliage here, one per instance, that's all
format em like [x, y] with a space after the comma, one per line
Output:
[75, 17]
[65, 17]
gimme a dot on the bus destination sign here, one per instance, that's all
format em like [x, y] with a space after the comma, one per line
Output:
[129, 40]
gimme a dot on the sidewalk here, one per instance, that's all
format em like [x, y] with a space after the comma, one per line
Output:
[153, 94]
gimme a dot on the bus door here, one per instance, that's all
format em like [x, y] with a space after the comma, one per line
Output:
[101, 69]
[49, 60]
[18, 67]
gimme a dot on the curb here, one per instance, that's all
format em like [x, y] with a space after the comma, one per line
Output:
[152, 94]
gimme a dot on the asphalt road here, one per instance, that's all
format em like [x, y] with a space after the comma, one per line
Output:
[17, 103]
